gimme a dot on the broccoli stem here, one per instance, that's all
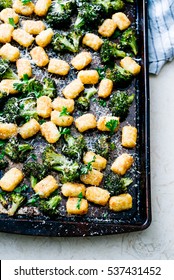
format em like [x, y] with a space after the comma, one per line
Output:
[54, 201]
[17, 200]
[126, 181]
[3, 200]
[131, 99]
[33, 181]
[119, 53]
[90, 92]
[79, 22]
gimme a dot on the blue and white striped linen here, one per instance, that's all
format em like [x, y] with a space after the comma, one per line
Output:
[161, 33]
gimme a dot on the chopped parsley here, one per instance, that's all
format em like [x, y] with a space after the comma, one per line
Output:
[102, 102]
[33, 200]
[2, 154]
[102, 72]
[42, 121]
[80, 197]
[87, 167]
[2, 143]
[21, 189]
[33, 156]
[112, 125]
[11, 21]
[64, 130]
[112, 146]
[25, 2]
[64, 112]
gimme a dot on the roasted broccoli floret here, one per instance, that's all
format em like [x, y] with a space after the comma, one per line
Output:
[83, 102]
[60, 12]
[16, 151]
[27, 108]
[35, 88]
[11, 110]
[49, 206]
[102, 146]
[3, 96]
[3, 199]
[117, 5]
[67, 42]
[128, 40]
[79, 3]
[17, 200]
[49, 87]
[130, 1]
[5, 71]
[110, 6]
[119, 76]
[29, 86]
[58, 162]
[116, 185]
[119, 104]
[23, 109]
[74, 147]
[75, 37]
[3, 163]
[5, 4]
[89, 15]
[35, 171]
[109, 51]
[4, 66]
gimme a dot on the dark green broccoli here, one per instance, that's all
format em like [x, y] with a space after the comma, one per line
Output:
[116, 185]
[3, 199]
[67, 42]
[27, 108]
[35, 171]
[35, 88]
[83, 102]
[119, 76]
[17, 200]
[49, 87]
[117, 5]
[5, 71]
[60, 11]
[89, 16]
[110, 6]
[74, 147]
[119, 104]
[130, 1]
[128, 40]
[11, 110]
[58, 162]
[3, 163]
[102, 146]
[23, 109]
[16, 151]
[29, 86]
[75, 37]
[3, 96]
[5, 4]
[49, 206]
[109, 51]
[102, 72]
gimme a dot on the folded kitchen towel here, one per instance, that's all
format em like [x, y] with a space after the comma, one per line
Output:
[161, 33]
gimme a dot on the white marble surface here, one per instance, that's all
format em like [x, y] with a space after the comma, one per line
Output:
[157, 242]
